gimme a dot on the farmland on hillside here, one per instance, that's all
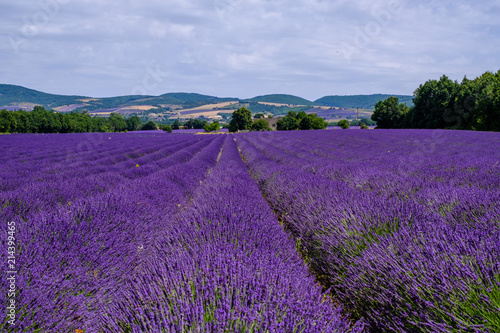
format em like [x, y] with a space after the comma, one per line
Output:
[300, 231]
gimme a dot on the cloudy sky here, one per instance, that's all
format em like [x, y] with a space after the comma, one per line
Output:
[244, 48]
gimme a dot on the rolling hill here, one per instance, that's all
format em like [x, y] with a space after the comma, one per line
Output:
[14, 97]
[281, 99]
[359, 101]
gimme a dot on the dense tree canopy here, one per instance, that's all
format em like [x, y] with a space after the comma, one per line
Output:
[150, 126]
[431, 100]
[215, 126]
[43, 121]
[176, 124]
[195, 124]
[242, 120]
[117, 122]
[301, 120]
[344, 124]
[389, 113]
[470, 105]
[166, 128]
[134, 123]
[260, 126]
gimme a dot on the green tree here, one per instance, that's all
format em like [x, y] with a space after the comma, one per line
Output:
[117, 122]
[389, 113]
[23, 121]
[486, 113]
[7, 121]
[300, 115]
[305, 123]
[260, 125]
[344, 124]
[368, 122]
[199, 124]
[431, 104]
[258, 116]
[242, 120]
[149, 126]
[215, 126]
[176, 124]
[166, 128]
[288, 122]
[195, 123]
[363, 126]
[133, 123]
[317, 122]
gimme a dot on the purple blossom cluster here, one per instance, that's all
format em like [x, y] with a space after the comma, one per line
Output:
[403, 226]
[149, 232]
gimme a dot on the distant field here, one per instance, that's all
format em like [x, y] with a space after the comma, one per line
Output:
[331, 113]
[210, 106]
[86, 100]
[18, 106]
[279, 104]
[15, 108]
[124, 110]
[199, 113]
[68, 108]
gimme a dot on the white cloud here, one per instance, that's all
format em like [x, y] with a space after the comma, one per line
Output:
[247, 47]
[158, 30]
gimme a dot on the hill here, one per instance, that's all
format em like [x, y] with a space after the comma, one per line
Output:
[177, 104]
[281, 99]
[17, 97]
[12, 95]
[192, 97]
[360, 101]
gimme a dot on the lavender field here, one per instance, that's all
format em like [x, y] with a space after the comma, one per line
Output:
[306, 231]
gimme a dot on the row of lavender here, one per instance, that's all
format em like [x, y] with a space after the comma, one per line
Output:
[82, 211]
[148, 232]
[403, 225]
[224, 264]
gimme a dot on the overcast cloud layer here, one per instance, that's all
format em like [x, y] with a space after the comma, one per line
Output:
[244, 48]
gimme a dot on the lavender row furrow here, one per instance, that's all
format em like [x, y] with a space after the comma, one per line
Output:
[224, 264]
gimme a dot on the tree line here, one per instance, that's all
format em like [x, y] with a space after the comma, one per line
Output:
[41, 120]
[469, 105]
[242, 121]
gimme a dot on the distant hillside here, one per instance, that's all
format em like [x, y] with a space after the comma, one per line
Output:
[360, 101]
[13, 97]
[281, 99]
[192, 97]
[11, 94]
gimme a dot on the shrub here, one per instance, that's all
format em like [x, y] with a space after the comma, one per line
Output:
[260, 125]
[344, 124]
[166, 128]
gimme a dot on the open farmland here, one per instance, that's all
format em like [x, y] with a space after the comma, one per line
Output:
[156, 232]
